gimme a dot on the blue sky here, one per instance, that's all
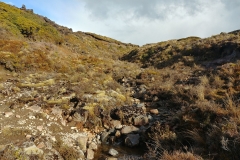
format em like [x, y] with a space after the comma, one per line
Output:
[141, 21]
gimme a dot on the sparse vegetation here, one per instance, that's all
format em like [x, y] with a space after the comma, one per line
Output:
[193, 82]
[178, 155]
[65, 151]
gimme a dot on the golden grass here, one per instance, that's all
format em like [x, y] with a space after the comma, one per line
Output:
[180, 155]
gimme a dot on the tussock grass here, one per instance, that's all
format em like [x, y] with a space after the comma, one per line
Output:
[179, 155]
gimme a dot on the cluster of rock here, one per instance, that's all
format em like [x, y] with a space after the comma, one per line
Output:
[25, 9]
[124, 125]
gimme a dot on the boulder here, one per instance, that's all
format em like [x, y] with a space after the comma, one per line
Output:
[104, 136]
[106, 121]
[90, 154]
[140, 105]
[154, 111]
[41, 145]
[82, 142]
[113, 152]
[8, 114]
[35, 108]
[81, 154]
[129, 129]
[140, 120]
[40, 128]
[57, 111]
[132, 140]
[117, 134]
[93, 146]
[80, 115]
[23, 7]
[115, 123]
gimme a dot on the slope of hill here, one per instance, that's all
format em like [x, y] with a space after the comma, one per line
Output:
[165, 54]
[199, 79]
[63, 93]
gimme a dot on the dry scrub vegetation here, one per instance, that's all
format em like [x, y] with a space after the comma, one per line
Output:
[197, 80]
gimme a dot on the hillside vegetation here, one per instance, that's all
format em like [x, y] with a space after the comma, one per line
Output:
[193, 83]
[199, 79]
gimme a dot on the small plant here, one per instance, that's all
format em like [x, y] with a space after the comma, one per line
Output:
[204, 80]
[67, 153]
[218, 82]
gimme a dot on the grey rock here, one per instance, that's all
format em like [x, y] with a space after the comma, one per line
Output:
[93, 146]
[40, 128]
[80, 115]
[113, 152]
[141, 120]
[150, 117]
[142, 129]
[117, 134]
[81, 154]
[129, 129]
[9, 66]
[41, 145]
[155, 98]
[57, 111]
[34, 108]
[154, 111]
[82, 142]
[119, 126]
[28, 136]
[104, 136]
[8, 114]
[115, 123]
[111, 131]
[90, 154]
[140, 105]
[132, 140]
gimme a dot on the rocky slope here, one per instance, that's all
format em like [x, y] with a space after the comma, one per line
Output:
[75, 95]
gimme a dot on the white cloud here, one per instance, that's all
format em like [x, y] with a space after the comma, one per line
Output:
[142, 21]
